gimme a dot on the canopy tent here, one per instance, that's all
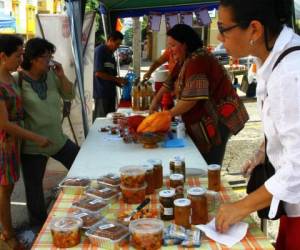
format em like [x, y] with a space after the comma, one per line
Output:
[133, 8]
[115, 9]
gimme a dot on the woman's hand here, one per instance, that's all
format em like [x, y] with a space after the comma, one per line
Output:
[58, 69]
[153, 107]
[147, 75]
[249, 165]
[229, 214]
[42, 141]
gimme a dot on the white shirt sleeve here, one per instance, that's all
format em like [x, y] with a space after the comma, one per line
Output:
[285, 184]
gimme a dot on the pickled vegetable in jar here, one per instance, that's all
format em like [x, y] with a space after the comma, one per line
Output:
[132, 176]
[166, 199]
[182, 212]
[157, 172]
[149, 178]
[66, 231]
[177, 183]
[197, 195]
[214, 177]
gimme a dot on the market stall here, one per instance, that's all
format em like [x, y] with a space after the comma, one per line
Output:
[104, 153]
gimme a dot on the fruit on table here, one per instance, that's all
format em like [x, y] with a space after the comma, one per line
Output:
[134, 121]
[157, 122]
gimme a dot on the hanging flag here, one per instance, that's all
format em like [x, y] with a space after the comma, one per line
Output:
[203, 17]
[154, 20]
[119, 25]
[171, 20]
[186, 18]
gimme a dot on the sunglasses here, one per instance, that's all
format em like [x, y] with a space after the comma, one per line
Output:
[222, 29]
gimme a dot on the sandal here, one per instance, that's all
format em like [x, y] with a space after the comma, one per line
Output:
[12, 242]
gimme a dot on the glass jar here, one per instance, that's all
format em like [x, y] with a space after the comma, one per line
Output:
[157, 172]
[177, 183]
[214, 177]
[166, 199]
[197, 195]
[182, 212]
[149, 178]
[177, 165]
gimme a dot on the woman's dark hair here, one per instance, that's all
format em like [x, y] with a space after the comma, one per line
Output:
[272, 14]
[186, 34]
[35, 48]
[10, 43]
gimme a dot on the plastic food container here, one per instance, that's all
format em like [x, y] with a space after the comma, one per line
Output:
[107, 235]
[110, 180]
[105, 193]
[88, 219]
[90, 204]
[146, 234]
[132, 176]
[74, 185]
[66, 231]
[133, 195]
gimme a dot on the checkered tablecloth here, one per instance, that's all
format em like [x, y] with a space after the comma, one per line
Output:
[254, 239]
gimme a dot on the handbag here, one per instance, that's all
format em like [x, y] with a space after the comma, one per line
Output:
[259, 175]
[263, 172]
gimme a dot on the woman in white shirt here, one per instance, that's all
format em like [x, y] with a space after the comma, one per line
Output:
[259, 28]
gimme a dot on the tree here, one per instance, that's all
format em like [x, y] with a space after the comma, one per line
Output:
[90, 6]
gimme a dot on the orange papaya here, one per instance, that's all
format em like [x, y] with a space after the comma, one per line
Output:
[157, 122]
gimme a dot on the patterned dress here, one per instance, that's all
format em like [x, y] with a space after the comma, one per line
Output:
[10, 145]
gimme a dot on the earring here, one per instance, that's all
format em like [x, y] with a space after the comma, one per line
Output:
[251, 42]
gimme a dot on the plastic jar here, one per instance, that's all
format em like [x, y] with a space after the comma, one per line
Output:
[133, 195]
[197, 195]
[214, 177]
[66, 231]
[149, 178]
[182, 212]
[157, 172]
[166, 199]
[146, 234]
[132, 176]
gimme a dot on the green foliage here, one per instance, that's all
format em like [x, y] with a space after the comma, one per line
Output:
[90, 6]
[128, 37]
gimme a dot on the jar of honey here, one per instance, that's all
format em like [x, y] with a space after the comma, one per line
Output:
[214, 177]
[182, 212]
[157, 172]
[177, 165]
[149, 178]
[197, 195]
[166, 199]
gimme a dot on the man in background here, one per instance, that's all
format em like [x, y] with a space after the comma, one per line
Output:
[105, 76]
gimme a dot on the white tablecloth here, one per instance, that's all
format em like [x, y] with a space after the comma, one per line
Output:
[99, 155]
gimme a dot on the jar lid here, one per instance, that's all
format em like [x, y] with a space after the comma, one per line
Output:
[183, 202]
[154, 161]
[67, 223]
[146, 226]
[179, 157]
[196, 191]
[214, 167]
[147, 166]
[176, 177]
[167, 193]
[132, 170]
[177, 163]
